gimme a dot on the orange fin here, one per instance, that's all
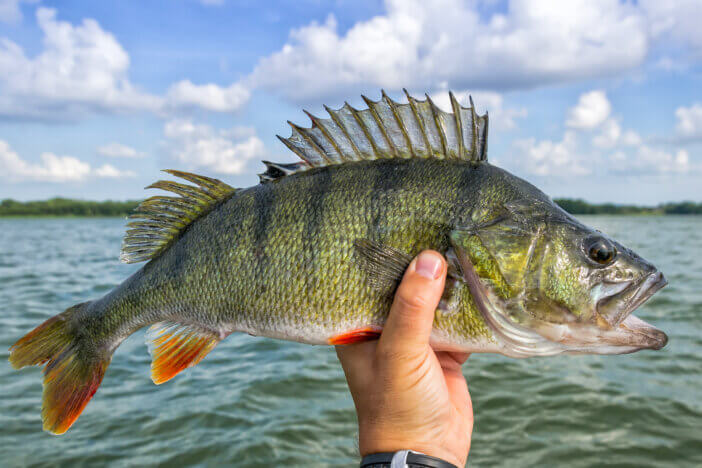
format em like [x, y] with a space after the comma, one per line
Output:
[355, 336]
[175, 347]
[73, 370]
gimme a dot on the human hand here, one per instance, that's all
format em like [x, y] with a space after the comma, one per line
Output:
[408, 396]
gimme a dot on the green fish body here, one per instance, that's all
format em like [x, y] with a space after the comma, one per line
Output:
[314, 254]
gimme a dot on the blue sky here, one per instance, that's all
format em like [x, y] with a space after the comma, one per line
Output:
[598, 99]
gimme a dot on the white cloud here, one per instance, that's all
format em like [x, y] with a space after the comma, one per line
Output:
[594, 112]
[51, 168]
[591, 110]
[108, 171]
[419, 43]
[650, 160]
[549, 158]
[631, 155]
[677, 19]
[10, 10]
[83, 69]
[490, 101]
[221, 151]
[612, 135]
[209, 96]
[689, 122]
[212, 2]
[118, 150]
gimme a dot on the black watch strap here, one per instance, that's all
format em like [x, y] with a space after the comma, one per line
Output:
[412, 460]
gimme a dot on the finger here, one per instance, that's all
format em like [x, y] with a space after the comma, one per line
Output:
[409, 323]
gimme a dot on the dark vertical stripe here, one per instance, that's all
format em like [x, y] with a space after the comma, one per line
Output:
[388, 177]
[467, 194]
[318, 192]
[263, 207]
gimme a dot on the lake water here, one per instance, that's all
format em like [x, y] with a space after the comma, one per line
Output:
[261, 402]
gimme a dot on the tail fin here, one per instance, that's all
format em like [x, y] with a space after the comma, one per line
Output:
[73, 372]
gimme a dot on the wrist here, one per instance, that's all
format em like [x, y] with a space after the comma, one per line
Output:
[373, 445]
[404, 458]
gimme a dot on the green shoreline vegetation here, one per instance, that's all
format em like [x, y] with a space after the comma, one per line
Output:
[85, 208]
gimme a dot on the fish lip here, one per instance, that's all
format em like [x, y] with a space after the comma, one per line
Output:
[632, 335]
[641, 335]
[644, 288]
[650, 286]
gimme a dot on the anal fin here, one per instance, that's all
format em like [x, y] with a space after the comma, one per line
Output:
[355, 336]
[175, 347]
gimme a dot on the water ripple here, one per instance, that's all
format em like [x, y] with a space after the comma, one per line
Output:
[258, 402]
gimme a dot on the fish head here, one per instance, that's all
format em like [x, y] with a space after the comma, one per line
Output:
[589, 284]
[545, 272]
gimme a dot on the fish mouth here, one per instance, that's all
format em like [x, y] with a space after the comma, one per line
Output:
[627, 297]
[622, 332]
[616, 330]
[540, 338]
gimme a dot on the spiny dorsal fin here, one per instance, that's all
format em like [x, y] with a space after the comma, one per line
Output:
[387, 129]
[159, 220]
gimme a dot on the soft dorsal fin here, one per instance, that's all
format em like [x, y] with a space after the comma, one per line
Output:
[159, 220]
[387, 129]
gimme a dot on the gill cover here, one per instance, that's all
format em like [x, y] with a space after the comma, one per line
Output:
[496, 256]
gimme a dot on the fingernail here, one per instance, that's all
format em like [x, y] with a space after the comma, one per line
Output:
[428, 265]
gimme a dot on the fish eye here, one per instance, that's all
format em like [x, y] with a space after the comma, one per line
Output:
[600, 250]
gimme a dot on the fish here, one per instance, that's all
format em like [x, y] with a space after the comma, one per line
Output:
[315, 251]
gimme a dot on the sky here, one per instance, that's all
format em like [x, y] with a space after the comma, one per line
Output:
[593, 99]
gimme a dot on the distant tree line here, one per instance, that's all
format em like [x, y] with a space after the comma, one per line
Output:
[578, 206]
[69, 207]
[66, 207]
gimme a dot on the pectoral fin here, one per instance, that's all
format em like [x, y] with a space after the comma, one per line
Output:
[383, 265]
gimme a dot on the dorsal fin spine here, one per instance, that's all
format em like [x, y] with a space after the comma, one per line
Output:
[393, 107]
[308, 138]
[484, 139]
[334, 116]
[413, 105]
[440, 129]
[459, 127]
[325, 132]
[293, 148]
[474, 126]
[381, 126]
[364, 129]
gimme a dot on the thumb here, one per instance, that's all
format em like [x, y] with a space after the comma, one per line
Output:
[409, 323]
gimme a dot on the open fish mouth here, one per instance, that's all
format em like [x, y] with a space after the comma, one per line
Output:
[627, 297]
[540, 338]
[622, 332]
